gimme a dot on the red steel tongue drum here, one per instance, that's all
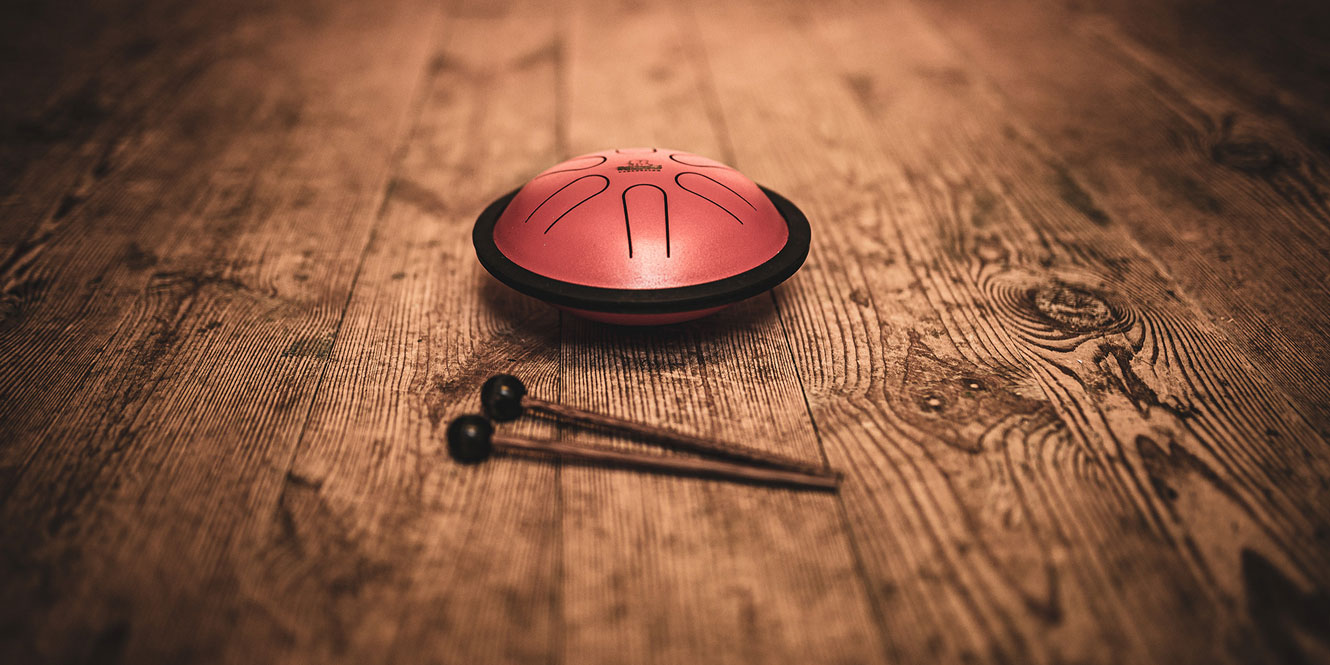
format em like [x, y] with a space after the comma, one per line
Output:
[641, 236]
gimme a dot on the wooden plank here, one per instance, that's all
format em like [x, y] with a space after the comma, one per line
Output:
[664, 569]
[238, 305]
[1233, 198]
[1054, 456]
[201, 283]
[1272, 56]
[74, 90]
[393, 551]
[76, 194]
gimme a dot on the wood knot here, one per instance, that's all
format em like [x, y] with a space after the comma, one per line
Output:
[1252, 156]
[1072, 308]
[942, 393]
[931, 402]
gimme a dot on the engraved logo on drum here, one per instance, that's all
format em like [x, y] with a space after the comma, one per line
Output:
[634, 165]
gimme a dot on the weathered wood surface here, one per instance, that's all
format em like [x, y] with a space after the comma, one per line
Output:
[1064, 325]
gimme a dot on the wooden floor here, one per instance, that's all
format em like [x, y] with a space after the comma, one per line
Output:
[1065, 325]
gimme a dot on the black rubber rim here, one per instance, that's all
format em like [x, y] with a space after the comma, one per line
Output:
[645, 301]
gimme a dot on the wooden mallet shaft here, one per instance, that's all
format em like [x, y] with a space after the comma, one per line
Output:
[504, 398]
[699, 467]
[677, 440]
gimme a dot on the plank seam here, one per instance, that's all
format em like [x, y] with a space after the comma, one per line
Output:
[419, 95]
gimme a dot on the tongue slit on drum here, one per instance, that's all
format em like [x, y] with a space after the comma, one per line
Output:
[646, 207]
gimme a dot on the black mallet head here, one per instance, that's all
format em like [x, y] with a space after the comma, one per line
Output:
[469, 439]
[501, 397]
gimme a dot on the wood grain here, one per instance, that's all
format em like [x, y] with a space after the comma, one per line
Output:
[1272, 57]
[1064, 326]
[377, 537]
[681, 570]
[1006, 321]
[1231, 198]
[193, 292]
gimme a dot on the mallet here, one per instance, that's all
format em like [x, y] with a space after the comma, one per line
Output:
[472, 439]
[504, 397]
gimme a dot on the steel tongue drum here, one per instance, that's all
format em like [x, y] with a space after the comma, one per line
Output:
[641, 236]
